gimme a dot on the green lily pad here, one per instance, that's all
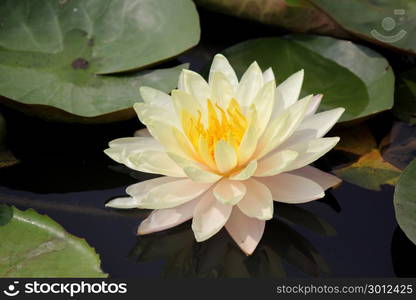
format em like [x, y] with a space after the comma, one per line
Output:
[405, 201]
[33, 245]
[387, 22]
[108, 35]
[405, 103]
[349, 76]
[53, 54]
[6, 214]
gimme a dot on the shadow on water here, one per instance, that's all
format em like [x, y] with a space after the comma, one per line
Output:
[220, 256]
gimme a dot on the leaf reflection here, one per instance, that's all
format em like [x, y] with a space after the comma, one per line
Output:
[219, 256]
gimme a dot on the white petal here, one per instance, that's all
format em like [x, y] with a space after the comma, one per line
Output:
[290, 89]
[184, 101]
[156, 162]
[172, 194]
[149, 113]
[264, 102]
[141, 189]
[210, 216]
[322, 122]
[268, 75]
[310, 151]
[229, 192]
[246, 172]
[156, 98]
[195, 85]
[313, 107]
[258, 200]
[221, 64]
[291, 188]
[245, 231]
[225, 157]
[282, 127]
[195, 171]
[123, 203]
[249, 142]
[325, 180]
[250, 84]
[275, 163]
[222, 90]
[161, 219]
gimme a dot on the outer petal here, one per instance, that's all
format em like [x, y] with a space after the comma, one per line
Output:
[282, 127]
[173, 194]
[156, 162]
[290, 90]
[123, 203]
[225, 157]
[325, 180]
[210, 216]
[291, 188]
[161, 219]
[275, 163]
[313, 107]
[141, 189]
[184, 101]
[258, 200]
[195, 85]
[229, 192]
[264, 102]
[245, 231]
[250, 84]
[249, 142]
[221, 64]
[310, 151]
[156, 98]
[148, 113]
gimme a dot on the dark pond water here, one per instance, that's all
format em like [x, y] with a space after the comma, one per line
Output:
[63, 173]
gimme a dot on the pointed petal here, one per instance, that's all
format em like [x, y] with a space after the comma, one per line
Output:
[275, 163]
[141, 189]
[225, 157]
[155, 162]
[184, 101]
[195, 85]
[123, 203]
[245, 231]
[221, 64]
[161, 219]
[264, 102]
[222, 91]
[268, 75]
[229, 192]
[322, 122]
[258, 200]
[250, 84]
[290, 89]
[156, 98]
[210, 216]
[325, 180]
[149, 113]
[246, 172]
[289, 188]
[174, 193]
[313, 107]
[249, 142]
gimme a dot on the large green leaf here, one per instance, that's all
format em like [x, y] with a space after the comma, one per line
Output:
[53, 52]
[112, 35]
[387, 22]
[33, 245]
[405, 103]
[348, 75]
[405, 201]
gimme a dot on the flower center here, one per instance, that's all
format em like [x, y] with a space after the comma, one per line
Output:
[228, 125]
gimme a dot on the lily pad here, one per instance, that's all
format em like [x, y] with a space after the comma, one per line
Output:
[405, 103]
[6, 214]
[349, 76]
[405, 201]
[52, 54]
[34, 245]
[106, 36]
[387, 22]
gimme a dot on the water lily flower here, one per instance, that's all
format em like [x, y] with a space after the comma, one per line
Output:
[227, 150]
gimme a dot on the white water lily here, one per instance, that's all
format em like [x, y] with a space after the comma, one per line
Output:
[227, 149]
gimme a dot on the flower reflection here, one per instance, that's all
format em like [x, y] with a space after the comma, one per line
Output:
[219, 256]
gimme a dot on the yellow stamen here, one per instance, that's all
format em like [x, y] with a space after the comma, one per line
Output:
[230, 127]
